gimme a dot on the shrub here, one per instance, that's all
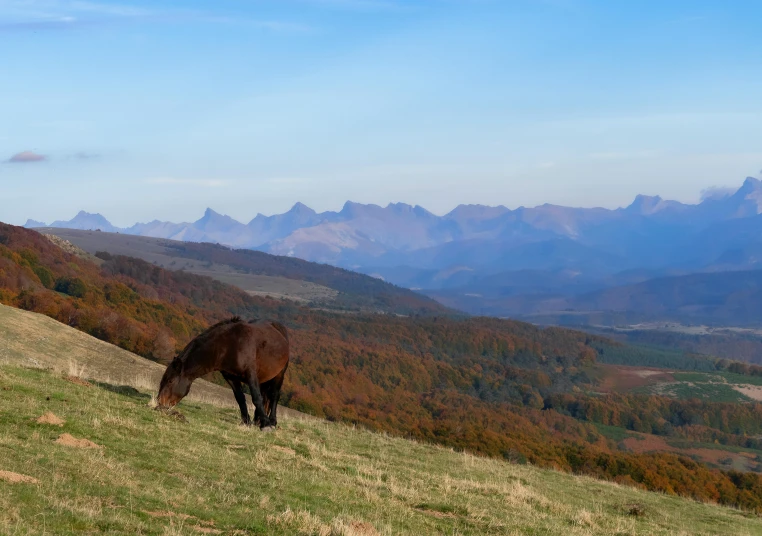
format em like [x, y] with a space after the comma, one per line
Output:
[72, 286]
[45, 275]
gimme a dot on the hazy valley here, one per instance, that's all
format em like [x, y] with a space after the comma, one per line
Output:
[654, 260]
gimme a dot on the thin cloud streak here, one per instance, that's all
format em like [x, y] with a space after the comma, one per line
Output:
[26, 157]
[60, 15]
[207, 183]
[361, 5]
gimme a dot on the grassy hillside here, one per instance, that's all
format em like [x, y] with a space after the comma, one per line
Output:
[148, 473]
[261, 273]
[484, 385]
[33, 340]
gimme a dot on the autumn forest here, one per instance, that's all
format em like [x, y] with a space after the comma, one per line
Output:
[494, 387]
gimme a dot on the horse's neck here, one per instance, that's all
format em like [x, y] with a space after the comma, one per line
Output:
[194, 370]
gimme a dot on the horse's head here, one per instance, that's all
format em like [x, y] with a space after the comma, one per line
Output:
[174, 386]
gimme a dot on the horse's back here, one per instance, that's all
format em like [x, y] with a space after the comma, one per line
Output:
[272, 348]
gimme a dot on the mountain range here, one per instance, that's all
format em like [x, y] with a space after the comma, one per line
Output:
[487, 259]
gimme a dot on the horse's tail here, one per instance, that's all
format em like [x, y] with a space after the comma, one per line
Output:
[281, 328]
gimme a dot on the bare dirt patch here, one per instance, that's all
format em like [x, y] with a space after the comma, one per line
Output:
[16, 478]
[620, 378]
[51, 418]
[78, 381]
[69, 440]
[752, 391]
[361, 528]
[649, 443]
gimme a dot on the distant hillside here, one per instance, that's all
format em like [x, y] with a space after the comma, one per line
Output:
[724, 297]
[262, 274]
[500, 388]
[650, 233]
[715, 299]
[474, 257]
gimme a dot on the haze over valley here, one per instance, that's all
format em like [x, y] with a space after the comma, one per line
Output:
[548, 263]
[375, 267]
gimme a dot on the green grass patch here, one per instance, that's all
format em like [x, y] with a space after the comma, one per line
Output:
[154, 475]
[714, 392]
[616, 433]
[722, 377]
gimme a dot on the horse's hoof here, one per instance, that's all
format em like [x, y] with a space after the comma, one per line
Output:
[268, 429]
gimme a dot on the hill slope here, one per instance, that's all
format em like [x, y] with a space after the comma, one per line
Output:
[34, 340]
[261, 273]
[722, 298]
[650, 233]
[150, 474]
[500, 388]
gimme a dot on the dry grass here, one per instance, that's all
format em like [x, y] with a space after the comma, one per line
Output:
[156, 475]
[34, 340]
[162, 252]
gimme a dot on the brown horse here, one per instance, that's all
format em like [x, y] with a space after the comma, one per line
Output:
[254, 353]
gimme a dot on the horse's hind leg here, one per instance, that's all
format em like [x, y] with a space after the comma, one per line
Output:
[273, 393]
[235, 385]
[256, 398]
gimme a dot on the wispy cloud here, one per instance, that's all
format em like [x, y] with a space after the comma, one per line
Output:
[622, 155]
[361, 5]
[206, 183]
[287, 180]
[39, 15]
[717, 192]
[84, 156]
[26, 157]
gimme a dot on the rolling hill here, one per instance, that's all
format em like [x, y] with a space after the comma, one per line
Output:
[102, 460]
[499, 388]
[145, 473]
[714, 299]
[478, 258]
[261, 274]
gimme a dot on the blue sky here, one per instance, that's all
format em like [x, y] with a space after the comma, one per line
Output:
[142, 110]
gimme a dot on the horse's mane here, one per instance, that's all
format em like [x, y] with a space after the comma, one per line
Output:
[201, 338]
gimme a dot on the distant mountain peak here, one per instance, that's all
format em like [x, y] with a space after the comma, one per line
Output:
[647, 204]
[91, 215]
[86, 221]
[301, 208]
[352, 209]
[211, 213]
[215, 222]
[30, 224]
[750, 185]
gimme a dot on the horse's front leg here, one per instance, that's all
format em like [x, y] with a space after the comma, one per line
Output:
[256, 397]
[235, 385]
